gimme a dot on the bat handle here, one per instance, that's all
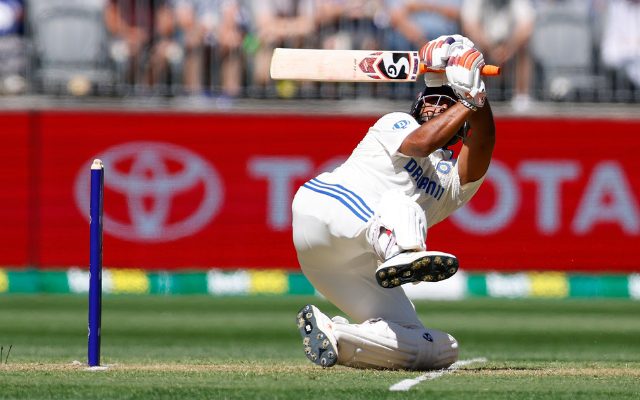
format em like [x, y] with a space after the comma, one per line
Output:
[487, 70]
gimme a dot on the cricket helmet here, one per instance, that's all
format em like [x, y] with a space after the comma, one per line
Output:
[437, 96]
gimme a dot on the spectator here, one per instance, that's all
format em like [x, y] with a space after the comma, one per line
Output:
[620, 48]
[349, 24]
[143, 45]
[280, 23]
[502, 29]
[413, 22]
[12, 47]
[563, 48]
[212, 30]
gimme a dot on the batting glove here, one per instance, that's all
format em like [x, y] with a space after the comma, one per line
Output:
[436, 53]
[463, 75]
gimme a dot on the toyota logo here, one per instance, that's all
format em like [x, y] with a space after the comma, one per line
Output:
[161, 191]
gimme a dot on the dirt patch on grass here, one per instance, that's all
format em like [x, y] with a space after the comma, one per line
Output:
[557, 371]
[186, 368]
[260, 369]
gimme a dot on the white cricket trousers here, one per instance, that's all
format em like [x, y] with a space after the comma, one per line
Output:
[329, 234]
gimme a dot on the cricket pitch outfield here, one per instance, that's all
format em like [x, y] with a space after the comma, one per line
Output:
[199, 347]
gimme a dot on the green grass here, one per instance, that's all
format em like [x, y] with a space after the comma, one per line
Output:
[192, 347]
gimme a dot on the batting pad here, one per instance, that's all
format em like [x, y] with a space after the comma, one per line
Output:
[387, 345]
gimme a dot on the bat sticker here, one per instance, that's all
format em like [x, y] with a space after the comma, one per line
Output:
[395, 65]
[390, 66]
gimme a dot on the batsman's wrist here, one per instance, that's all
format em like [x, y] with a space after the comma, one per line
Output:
[468, 104]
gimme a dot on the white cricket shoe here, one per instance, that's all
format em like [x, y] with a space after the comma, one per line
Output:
[416, 266]
[319, 342]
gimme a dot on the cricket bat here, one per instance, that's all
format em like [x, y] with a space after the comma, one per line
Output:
[351, 65]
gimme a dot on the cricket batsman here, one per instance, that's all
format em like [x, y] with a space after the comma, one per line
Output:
[360, 231]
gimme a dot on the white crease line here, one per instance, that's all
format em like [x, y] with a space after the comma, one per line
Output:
[407, 384]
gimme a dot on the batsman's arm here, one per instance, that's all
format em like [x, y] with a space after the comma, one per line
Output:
[435, 133]
[477, 148]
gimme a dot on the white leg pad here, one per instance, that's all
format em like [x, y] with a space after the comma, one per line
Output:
[399, 224]
[387, 345]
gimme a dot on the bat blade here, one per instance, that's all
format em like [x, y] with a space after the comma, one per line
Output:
[352, 65]
[345, 65]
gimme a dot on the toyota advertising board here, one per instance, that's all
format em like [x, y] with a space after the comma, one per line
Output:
[181, 190]
[196, 191]
[17, 206]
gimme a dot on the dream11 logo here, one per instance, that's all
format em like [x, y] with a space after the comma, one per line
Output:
[159, 191]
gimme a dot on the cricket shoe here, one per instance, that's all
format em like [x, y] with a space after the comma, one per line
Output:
[416, 266]
[316, 329]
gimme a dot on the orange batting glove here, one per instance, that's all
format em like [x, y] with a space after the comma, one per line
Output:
[463, 73]
[435, 53]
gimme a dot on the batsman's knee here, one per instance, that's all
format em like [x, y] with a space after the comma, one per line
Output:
[399, 224]
[441, 353]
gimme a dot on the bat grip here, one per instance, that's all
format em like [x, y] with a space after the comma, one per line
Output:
[487, 70]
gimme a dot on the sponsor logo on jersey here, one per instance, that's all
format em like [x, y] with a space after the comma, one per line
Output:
[401, 124]
[423, 183]
[444, 167]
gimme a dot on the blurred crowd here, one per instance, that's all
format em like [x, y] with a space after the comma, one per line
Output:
[574, 50]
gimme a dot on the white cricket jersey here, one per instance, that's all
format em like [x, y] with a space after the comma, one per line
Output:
[377, 166]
